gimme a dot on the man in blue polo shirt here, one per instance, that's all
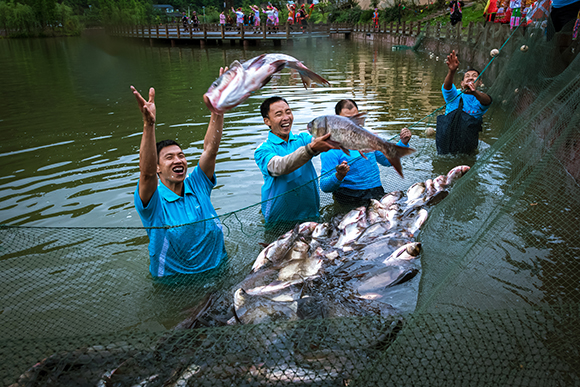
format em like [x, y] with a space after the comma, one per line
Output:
[285, 161]
[176, 203]
[460, 135]
[357, 180]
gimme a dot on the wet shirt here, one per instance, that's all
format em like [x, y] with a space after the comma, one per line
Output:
[363, 174]
[189, 249]
[304, 200]
[470, 104]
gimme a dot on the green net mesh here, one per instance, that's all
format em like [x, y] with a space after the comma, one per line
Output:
[497, 301]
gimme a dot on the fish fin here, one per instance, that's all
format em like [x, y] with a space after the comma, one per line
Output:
[307, 75]
[359, 118]
[266, 81]
[334, 143]
[257, 62]
[363, 155]
[278, 65]
[345, 150]
[399, 152]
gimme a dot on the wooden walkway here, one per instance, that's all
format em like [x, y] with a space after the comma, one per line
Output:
[216, 32]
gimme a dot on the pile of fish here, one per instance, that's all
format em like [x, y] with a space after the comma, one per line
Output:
[364, 254]
[364, 263]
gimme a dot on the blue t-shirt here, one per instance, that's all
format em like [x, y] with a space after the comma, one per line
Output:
[363, 174]
[471, 105]
[189, 249]
[300, 204]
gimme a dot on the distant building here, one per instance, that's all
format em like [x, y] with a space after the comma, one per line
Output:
[167, 10]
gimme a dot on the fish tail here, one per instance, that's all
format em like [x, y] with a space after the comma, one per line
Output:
[308, 76]
[393, 153]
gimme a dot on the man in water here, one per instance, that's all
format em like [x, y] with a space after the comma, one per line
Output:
[461, 135]
[166, 197]
[355, 182]
[285, 161]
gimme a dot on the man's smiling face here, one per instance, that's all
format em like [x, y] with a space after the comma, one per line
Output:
[280, 119]
[171, 165]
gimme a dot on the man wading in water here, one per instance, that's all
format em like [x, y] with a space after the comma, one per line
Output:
[166, 196]
[458, 130]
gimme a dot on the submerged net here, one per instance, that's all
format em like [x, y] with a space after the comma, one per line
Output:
[498, 301]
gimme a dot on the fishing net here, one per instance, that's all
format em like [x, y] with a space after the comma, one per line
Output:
[497, 301]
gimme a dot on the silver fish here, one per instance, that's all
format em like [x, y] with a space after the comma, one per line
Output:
[440, 182]
[404, 253]
[348, 133]
[415, 192]
[391, 198]
[418, 221]
[276, 250]
[456, 173]
[353, 216]
[259, 309]
[242, 79]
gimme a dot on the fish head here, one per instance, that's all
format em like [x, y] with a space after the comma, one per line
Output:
[317, 127]
[227, 91]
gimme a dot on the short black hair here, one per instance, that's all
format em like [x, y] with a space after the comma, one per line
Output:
[344, 103]
[163, 144]
[472, 69]
[265, 106]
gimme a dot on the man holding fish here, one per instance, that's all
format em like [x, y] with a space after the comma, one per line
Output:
[357, 179]
[290, 190]
[170, 203]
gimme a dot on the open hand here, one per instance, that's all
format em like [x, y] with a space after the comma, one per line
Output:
[452, 61]
[147, 107]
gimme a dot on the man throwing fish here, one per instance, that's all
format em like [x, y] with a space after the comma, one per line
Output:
[458, 130]
[357, 180]
[173, 204]
[285, 161]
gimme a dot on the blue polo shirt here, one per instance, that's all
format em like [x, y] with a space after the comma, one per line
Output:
[471, 105]
[363, 174]
[299, 204]
[193, 247]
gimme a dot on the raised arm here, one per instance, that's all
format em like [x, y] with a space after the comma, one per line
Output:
[452, 65]
[211, 142]
[148, 149]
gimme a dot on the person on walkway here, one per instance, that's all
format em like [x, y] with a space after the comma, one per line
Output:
[166, 197]
[357, 180]
[222, 19]
[490, 11]
[185, 22]
[290, 190]
[256, 11]
[458, 130]
[239, 17]
[376, 18]
[516, 6]
[291, 13]
[270, 20]
[456, 12]
[195, 21]
[564, 13]
[301, 18]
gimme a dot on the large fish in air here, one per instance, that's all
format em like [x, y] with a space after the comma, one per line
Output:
[242, 79]
[348, 133]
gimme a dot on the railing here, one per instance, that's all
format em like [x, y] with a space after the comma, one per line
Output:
[217, 31]
[286, 31]
[439, 31]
